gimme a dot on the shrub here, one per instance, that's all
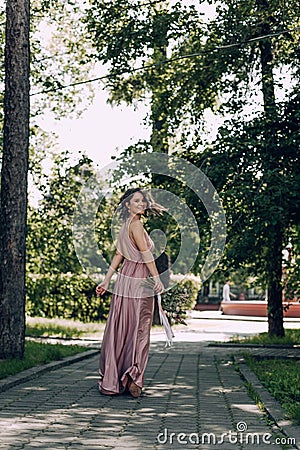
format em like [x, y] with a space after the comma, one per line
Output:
[65, 295]
[72, 296]
[179, 299]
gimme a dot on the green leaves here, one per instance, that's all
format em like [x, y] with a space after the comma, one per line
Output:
[65, 295]
[49, 244]
[153, 37]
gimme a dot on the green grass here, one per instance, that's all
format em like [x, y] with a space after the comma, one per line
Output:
[36, 354]
[63, 328]
[292, 337]
[282, 379]
[43, 353]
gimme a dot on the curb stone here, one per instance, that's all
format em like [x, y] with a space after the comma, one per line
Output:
[272, 346]
[35, 372]
[273, 409]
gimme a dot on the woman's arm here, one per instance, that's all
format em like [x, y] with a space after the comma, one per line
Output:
[138, 234]
[116, 261]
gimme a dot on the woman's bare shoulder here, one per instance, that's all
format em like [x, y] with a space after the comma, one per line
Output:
[136, 226]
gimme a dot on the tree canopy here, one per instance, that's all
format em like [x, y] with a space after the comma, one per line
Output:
[244, 65]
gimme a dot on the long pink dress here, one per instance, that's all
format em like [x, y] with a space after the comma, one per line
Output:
[126, 340]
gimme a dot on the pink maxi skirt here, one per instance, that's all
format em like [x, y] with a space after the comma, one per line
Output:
[126, 340]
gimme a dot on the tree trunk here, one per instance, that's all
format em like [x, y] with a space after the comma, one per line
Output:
[159, 135]
[275, 309]
[274, 232]
[206, 291]
[14, 180]
[159, 109]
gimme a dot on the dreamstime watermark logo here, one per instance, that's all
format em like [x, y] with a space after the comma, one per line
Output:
[240, 436]
[97, 189]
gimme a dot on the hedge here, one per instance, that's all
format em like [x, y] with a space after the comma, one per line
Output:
[73, 296]
[65, 295]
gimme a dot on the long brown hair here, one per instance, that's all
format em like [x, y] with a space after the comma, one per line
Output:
[152, 207]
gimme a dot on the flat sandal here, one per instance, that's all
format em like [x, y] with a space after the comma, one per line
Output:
[134, 390]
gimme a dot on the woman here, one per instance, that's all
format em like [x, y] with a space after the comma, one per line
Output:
[126, 340]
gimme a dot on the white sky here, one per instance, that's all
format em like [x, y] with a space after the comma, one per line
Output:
[101, 131]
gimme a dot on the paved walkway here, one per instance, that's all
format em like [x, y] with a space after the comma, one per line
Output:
[193, 399]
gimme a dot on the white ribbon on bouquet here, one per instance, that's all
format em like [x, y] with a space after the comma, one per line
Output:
[164, 321]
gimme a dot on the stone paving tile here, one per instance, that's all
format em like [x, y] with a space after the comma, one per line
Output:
[191, 391]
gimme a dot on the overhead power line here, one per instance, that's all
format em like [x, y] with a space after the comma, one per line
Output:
[167, 61]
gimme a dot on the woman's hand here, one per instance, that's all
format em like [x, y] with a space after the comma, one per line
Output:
[158, 286]
[102, 288]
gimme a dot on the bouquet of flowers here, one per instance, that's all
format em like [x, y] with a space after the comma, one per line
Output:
[149, 283]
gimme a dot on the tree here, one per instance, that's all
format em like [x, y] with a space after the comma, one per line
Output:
[60, 64]
[56, 282]
[2, 41]
[129, 35]
[50, 240]
[251, 158]
[16, 134]
[156, 36]
[239, 55]
[60, 58]
[14, 180]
